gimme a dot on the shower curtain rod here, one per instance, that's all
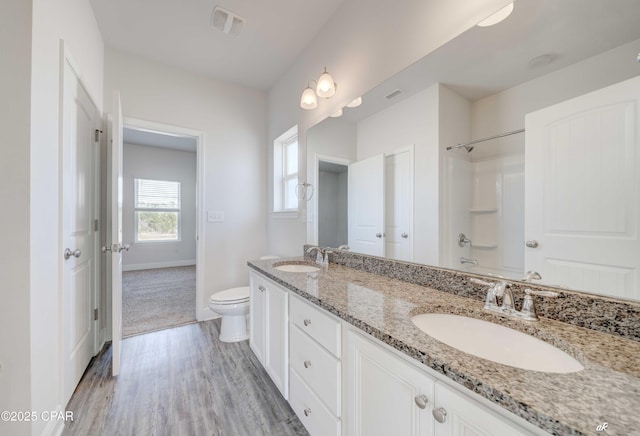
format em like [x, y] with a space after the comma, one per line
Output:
[465, 144]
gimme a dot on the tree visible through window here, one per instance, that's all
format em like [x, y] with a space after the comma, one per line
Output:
[157, 210]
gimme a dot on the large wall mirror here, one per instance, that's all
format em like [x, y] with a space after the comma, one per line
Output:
[513, 148]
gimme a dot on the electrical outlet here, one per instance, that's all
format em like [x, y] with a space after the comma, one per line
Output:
[215, 216]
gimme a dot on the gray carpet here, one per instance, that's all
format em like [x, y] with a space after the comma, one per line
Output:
[156, 299]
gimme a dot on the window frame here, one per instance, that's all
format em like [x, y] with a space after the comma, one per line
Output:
[280, 175]
[137, 209]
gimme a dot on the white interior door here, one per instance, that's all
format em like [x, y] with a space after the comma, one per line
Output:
[79, 121]
[399, 206]
[582, 196]
[116, 233]
[366, 206]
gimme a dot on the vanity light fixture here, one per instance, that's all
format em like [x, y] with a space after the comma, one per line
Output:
[355, 103]
[308, 99]
[497, 17]
[336, 114]
[325, 88]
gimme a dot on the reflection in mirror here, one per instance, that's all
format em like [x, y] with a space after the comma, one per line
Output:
[560, 199]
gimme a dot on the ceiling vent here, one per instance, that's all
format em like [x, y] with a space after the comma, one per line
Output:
[394, 93]
[226, 21]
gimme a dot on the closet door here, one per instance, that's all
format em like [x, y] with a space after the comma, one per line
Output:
[582, 196]
[366, 206]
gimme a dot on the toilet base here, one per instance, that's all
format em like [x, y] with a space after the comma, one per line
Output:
[234, 328]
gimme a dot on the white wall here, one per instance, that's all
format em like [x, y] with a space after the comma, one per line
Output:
[233, 119]
[361, 46]
[155, 163]
[15, 89]
[31, 34]
[413, 121]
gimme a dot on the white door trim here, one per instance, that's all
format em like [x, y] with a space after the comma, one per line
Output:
[201, 313]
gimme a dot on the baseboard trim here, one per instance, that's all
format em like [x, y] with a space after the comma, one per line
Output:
[54, 425]
[154, 265]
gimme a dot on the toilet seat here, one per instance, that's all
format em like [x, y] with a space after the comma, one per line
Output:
[230, 296]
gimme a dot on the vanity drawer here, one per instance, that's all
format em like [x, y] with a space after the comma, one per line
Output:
[316, 367]
[316, 323]
[316, 418]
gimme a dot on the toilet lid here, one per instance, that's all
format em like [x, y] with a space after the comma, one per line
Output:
[229, 296]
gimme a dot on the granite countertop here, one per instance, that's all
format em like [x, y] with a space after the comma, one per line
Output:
[607, 390]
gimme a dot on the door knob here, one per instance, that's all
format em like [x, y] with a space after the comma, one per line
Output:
[125, 247]
[75, 253]
[439, 414]
[421, 401]
[532, 244]
[404, 235]
[378, 235]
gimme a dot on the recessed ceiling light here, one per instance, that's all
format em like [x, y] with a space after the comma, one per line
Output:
[499, 16]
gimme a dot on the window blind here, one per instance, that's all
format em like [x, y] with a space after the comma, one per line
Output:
[157, 194]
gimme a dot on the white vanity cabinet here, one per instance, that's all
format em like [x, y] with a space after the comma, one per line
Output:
[315, 367]
[462, 416]
[386, 394]
[268, 328]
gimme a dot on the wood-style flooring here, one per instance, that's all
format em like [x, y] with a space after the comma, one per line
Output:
[180, 381]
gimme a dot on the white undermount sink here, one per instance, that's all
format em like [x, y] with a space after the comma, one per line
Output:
[496, 343]
[296, 267]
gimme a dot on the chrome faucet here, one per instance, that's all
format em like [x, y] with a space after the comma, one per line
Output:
[322, 254]
[319, 254]
[503, 289]
[532, 275]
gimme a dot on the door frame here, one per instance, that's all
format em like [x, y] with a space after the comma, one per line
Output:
[164, 128]
[65, 56]
[317, 158]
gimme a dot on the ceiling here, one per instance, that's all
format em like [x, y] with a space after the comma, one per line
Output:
[158, 139]
[486, 60]
[178, 33]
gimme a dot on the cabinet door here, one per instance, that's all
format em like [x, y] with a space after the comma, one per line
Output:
[277, 336]
[257, 316]
[383, 392]
[464, 417]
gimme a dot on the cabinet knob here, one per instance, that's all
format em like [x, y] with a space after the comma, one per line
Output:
[307, 322]
[307, 411]
[532, 244]
[307, 363]
[262, 289]
[75, 253]
[378, 235]
[404, 235]
[421, 401]
[439, 414]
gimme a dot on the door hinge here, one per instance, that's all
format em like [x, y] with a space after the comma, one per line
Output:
[96, 225]
[97, 134]
[95, 314]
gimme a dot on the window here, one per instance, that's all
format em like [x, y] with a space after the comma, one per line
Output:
[285, 171]
[157, 210]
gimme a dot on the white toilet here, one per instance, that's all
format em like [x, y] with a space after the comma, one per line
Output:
[233, 305]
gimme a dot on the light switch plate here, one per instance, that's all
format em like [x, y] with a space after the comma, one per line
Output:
[215, 216]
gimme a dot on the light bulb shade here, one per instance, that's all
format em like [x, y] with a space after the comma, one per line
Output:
[499, 16]
[326, 87]
[336, 114]
[355, 103]
[308, 99]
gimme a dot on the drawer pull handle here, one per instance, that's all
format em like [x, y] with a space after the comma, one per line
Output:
[439, 414]
[307, 363]
[262, 289]
[307, 412]
[307, 322]
[421, 401]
